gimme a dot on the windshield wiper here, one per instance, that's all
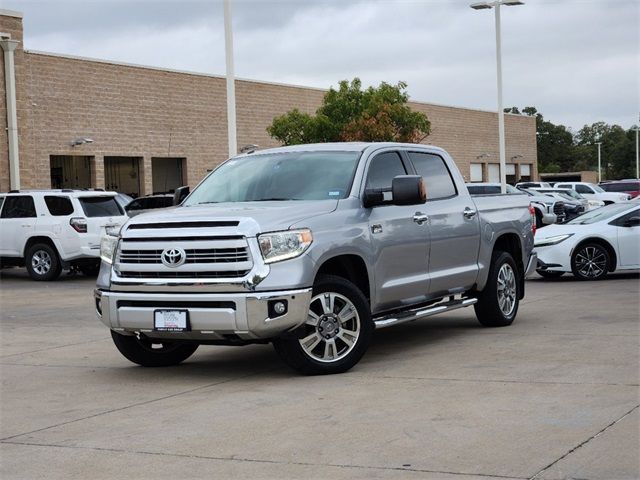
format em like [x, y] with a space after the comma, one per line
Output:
[274, 199]
[204, 203]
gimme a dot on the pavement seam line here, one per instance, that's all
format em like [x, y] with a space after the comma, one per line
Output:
[51, 348]
[532, 382]
[580, 445]
[146, 402]
[257, 460]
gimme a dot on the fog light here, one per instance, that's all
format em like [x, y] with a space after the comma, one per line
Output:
[277, 308]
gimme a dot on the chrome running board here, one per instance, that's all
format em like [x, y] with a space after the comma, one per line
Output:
[411, 315]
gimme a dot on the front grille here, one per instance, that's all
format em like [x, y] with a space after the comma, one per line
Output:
[195, 255]
[174, 304]
[174, 274]
[146, 226]
[558, 208]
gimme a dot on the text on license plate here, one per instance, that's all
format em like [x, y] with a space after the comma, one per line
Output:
[170, 320]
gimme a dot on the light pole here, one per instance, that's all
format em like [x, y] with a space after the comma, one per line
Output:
[231, 86]
[599, 163]
[637, 150]
[502, 146]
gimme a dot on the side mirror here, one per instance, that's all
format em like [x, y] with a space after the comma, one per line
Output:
[408, 190]
[632, 222]
[180, 194]
[372, 198]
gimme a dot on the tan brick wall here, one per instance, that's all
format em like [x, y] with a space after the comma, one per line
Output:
[146, 112]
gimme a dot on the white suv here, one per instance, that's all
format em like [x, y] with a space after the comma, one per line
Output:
[593, 192]
[48, 230]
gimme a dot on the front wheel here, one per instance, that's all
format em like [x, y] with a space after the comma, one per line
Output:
[337, 331]
[152, 353]
[498, 303]
[590, 262]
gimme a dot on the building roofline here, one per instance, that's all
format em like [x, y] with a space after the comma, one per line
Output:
[10, 13]
[250, 80]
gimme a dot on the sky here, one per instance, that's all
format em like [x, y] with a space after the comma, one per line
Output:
[576, 61]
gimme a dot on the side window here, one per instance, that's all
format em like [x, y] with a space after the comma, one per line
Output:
[583, 189]
[437, 177]
[1, 202]
[19, 206]
[383, 168]
[59, 206]
[619, 222]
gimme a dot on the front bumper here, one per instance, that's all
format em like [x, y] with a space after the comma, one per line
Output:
[212, 316]
[556, 258]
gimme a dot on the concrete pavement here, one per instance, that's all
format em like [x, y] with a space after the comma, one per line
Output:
[554, 396]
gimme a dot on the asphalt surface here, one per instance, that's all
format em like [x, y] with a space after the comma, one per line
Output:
[554, 396]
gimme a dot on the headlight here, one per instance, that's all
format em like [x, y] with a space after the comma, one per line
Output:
[108, 245]
[279, 246]
[545, 242]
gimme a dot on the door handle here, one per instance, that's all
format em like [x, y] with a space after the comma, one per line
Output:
[25, 225]
[469, 213]
[420, 218]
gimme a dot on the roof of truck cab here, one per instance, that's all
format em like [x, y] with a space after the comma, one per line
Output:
[64, 191]
[338, 146]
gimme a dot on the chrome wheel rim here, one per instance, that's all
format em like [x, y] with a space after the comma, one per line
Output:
[332, 328]
[591, 262]
[41, 262]
[506, 290]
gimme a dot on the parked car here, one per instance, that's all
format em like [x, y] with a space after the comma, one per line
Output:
[594, 192]
[151, 202]
[51, 230]
[533, 185]
[123, 200]
[311, 248]
[548, 210]
[592, 245]
[572, 207]
[630, 187]
[591, 203]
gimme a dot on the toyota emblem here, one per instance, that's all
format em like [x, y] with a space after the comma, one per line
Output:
[173, 257]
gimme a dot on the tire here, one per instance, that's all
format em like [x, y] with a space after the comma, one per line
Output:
[142, 352]
[309, 351]
[497, 307]
[42, 262]
[90, 269]
[590, 261]
[549, 273]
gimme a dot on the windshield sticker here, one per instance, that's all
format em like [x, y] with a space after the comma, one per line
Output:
[334, 194]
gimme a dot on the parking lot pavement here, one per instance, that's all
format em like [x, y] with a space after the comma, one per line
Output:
[554, 396]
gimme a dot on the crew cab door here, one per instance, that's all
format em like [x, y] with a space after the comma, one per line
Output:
[17, 224]
[628, 237]
[399, 238]
[454, 227]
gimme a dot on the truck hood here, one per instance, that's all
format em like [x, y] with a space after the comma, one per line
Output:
[253, 217]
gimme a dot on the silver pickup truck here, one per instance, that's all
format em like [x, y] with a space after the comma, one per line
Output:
[312, 248]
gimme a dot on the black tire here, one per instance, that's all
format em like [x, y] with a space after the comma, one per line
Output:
[488, 309]
[290, 349]
[142, 352]
[90, 269]
[595, 253]
[42, 262]
[549, 273]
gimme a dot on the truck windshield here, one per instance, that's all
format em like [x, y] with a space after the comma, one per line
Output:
[279, 176]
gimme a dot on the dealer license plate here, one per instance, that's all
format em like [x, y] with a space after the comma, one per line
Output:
[170, 320]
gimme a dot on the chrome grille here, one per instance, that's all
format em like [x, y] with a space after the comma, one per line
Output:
[194, 255]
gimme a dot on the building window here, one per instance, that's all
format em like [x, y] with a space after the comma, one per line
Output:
[511, 173]
[476, 172]
[525, 172]
[494, 173]
[122, 174]
[70, 171]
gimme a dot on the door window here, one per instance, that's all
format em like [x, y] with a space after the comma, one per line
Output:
[435, 173]
[100, 206]
[19, 206]
[382, 169]
[583, 189]
[59, 206]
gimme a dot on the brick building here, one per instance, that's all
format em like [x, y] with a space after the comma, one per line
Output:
[96, 123]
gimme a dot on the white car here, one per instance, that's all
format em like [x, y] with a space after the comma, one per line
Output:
[594, 192]
[593, 244]
[589, 204]
[51, 230]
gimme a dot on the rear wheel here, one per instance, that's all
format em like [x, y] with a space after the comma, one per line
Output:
[498, 303]
[549, 273]
[42, 262]
[590, 262]
[336, 334]
[152, 353]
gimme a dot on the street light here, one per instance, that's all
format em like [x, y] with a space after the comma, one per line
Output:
[231, 85]
[599, 162]
[496, 5]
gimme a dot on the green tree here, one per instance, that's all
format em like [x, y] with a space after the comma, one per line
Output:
[353, 114]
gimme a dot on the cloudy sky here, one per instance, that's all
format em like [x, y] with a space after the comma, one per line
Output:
[577, 61]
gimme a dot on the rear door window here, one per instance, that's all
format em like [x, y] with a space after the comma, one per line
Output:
[18, 206]
[583, 189]
[100, 206]
[59, 206]
[437, 177]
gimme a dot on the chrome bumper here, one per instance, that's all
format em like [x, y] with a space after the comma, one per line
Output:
[533, 263]
[212, 316]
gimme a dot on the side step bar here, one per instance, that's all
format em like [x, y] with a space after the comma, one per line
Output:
[412, 315]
